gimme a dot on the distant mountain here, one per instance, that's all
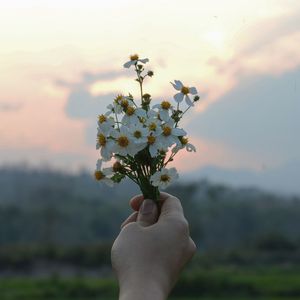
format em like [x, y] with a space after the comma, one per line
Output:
[284, 179]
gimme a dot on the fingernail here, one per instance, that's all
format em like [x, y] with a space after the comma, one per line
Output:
[147, 207]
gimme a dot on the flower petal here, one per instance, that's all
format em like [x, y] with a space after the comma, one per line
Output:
[164, 115]
[176, 86]
[108, 181]
[99, 164]
[153, 150]
[188, 101]
[190, 148]
[144, 60]
[156, 106]
[178, 132]
[193, 90]
[179, 84]
[128, 64]
[178, 97]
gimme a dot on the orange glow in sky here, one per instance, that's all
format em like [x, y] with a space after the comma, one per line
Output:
[48, 49]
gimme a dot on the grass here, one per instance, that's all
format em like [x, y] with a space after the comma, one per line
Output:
[216, 283]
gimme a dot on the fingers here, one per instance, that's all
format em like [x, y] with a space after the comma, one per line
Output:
[130, 219]
[170, 206]
[148, 213]
[192, 247]
[136, 202]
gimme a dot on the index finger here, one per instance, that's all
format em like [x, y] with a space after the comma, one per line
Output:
[167, 202]
[171, 206]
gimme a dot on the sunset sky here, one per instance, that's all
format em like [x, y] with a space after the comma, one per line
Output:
[61, 64]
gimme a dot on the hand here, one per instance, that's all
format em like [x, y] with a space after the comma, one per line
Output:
[153, 246]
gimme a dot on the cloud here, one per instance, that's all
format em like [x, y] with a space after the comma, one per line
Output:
[87, 78]
[82, 105]
[10, 107]
[259, 116]
[270, 46]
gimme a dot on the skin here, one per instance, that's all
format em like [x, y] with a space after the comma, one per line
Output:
[153, 246]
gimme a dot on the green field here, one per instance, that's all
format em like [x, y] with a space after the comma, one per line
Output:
[217, 283]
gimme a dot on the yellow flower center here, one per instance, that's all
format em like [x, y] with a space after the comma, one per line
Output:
[134, 57]
[184, 140]
[167, 130]
[165, 178]
[185, 90]
[101, 139]
[119, 98]
[102, 118]
[165, 105]
[123, 141]
[130, 111]
[137, 134]
[99, 175]
[151, 139]
[124, 103]
[152, 126]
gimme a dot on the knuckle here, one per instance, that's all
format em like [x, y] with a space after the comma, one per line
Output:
[192, 247]
[182, 225]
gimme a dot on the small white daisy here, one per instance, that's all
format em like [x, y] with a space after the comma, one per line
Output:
[138, 133]
[164, 177]
[105, 123]
[170, 134]
[184, 144]
[114, 108]
[164, 108]
[153, 123]
[105, 144]
[134, 59]
[132, 115]
[124, 143]
[102, 175]
[154, 144]
[184, 92]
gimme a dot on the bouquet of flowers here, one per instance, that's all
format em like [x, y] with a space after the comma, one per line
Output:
[141, 139]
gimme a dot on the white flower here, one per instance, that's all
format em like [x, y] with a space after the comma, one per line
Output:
[132, 115]
[164, 177]
[102, 174]
[184, 91]
[114, 108]
[153, 123]
[184, 144]
[170, 134]
[105, 144]
[134, 59]
[138, 133]
[105, 123]
[124, 143]
[154, 144]
[164, 108]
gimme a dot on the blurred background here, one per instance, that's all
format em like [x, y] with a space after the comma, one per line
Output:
[61, 65]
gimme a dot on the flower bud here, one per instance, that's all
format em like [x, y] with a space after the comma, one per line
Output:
[162, 152]
[146, 96]
[150, 73]
[146, 99]
[117, 167]
[140, 66]
[196, 98]
[176, 115]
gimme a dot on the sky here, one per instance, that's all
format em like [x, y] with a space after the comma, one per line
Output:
[62, 61]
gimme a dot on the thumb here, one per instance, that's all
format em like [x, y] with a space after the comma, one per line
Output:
[148, 213]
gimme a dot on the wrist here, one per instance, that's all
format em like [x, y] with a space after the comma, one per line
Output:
[142, 289]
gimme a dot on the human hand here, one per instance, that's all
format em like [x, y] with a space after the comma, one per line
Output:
[153, 246]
